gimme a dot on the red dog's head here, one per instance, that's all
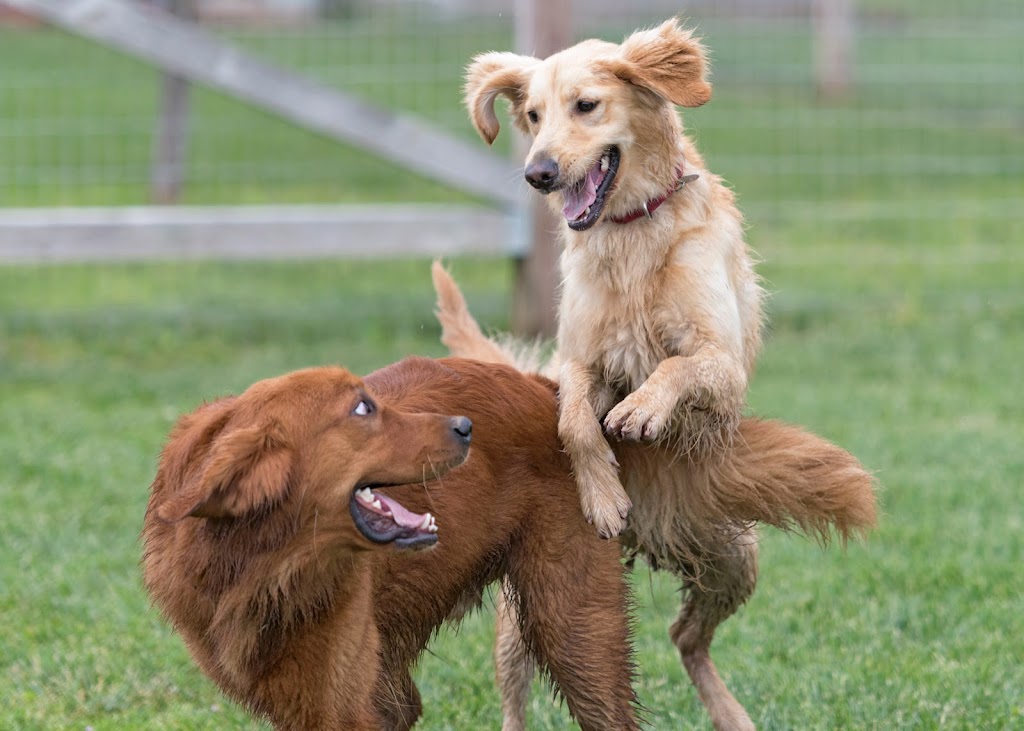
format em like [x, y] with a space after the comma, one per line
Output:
[306, 451]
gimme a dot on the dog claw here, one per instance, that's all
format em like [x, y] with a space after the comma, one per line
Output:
[629, 422]
[650, 431]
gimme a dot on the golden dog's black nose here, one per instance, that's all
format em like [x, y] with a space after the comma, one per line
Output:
[463, 428]
[542, 174]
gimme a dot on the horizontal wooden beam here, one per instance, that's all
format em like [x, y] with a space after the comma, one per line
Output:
[258, 232]
[157, 37]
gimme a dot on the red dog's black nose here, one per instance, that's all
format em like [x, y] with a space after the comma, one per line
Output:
[463, 428]
[542, 174]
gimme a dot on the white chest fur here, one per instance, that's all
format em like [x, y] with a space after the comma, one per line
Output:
[613, 330]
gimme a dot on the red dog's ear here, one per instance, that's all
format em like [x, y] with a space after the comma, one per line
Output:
[244, 468]
[493, 74]
[187, 447]
[668, 60]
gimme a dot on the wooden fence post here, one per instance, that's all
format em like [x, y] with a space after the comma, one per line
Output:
[543, 27]
[833, 47]
[170, 137]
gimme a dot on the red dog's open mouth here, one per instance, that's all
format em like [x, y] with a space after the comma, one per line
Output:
[385, 520]
[585, 199]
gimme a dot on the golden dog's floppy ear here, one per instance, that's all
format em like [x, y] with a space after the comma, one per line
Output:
[225, 471]
[487, 77]
[668, 60]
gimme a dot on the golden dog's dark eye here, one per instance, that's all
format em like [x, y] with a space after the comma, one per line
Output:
[585, 105]
[533, 116]
[363, 408]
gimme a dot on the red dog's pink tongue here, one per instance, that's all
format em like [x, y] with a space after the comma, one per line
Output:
[579, 197]
[405, 518]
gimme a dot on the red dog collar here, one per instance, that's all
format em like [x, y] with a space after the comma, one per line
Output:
[649, 207]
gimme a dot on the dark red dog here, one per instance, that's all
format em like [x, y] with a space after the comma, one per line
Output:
[271, 531]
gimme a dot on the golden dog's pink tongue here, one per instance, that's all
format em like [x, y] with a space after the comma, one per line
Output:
[404, 518]
[581, 196]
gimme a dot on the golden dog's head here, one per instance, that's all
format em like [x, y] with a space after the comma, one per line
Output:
[307, 450]
[604, 128]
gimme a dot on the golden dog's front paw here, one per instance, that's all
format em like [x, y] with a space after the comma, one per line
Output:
[605, 504]
[608, 519]
[637, 417]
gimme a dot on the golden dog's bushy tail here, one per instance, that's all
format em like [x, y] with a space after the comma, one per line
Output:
[772, 473]
[685, 510]
[779, 474]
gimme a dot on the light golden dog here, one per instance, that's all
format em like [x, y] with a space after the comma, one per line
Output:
[660, 314]
[695, 518]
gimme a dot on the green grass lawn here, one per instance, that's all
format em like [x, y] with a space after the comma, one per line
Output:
[909, 355]
[892, 238]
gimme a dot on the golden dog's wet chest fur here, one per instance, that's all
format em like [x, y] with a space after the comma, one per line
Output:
[624, 365]
[634, 296]
[614, 328]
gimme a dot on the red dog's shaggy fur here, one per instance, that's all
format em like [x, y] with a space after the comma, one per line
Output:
[254, 552]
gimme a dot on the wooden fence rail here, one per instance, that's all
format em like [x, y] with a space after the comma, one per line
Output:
[153, 233]
[157, 37]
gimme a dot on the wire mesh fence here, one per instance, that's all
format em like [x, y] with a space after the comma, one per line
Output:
[930, 127]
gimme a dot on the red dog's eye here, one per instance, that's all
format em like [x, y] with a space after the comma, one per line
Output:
[363, 408]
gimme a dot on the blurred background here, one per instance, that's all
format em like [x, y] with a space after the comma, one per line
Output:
[172, 229]
[831, 113]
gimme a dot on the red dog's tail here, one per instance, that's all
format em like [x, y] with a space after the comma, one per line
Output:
[459, 331]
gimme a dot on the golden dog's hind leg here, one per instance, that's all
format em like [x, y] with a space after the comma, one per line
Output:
[729, 580]
[604, 501]
[512, 663]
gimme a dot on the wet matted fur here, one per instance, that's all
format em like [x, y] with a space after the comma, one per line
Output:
[697, 519]
[267, 547]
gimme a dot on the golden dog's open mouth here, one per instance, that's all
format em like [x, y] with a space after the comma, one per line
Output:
[584, 200]
[384, 520]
